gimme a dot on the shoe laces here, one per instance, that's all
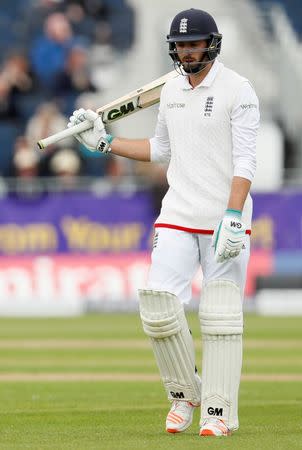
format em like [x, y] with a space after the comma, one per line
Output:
[181, 406]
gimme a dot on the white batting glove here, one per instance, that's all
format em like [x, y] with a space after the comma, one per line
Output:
[228, 238]
[96, 138]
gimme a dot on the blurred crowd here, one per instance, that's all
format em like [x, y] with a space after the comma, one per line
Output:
[292, 9]
[56, 55]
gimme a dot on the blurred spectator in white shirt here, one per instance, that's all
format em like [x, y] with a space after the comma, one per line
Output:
[46, 121]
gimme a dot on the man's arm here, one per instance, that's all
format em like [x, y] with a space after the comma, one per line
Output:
[239, 190]
[138, 149]
[229, 236]
[245, 123]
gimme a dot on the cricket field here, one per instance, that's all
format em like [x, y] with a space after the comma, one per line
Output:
[91, 383]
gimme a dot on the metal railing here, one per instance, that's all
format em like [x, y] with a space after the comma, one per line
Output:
[99, 186]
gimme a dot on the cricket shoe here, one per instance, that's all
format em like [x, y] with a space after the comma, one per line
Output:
[214, 427]
[180, 416]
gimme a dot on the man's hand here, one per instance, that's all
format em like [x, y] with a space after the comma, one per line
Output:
[228, 238]
[96, 138]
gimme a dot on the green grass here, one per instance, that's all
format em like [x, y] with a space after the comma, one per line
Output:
[93, 415]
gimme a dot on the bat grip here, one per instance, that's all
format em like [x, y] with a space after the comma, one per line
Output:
[79, 128]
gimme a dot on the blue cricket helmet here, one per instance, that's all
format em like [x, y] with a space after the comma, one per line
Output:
[194, 25]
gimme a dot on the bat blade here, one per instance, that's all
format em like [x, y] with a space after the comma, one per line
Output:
[141, 98]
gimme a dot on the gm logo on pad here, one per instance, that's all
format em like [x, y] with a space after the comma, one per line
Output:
[215, 411]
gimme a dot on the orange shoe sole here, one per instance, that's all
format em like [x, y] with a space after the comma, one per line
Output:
[171, 430]
[206, 433]
[210, 433]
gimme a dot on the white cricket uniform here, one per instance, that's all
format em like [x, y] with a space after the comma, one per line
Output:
[207, 135]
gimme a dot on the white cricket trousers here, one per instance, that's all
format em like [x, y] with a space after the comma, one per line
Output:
[177, 255]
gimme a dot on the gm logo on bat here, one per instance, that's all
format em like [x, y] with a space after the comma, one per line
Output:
[123, 110]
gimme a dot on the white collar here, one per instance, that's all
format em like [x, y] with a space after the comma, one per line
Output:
[207, 81]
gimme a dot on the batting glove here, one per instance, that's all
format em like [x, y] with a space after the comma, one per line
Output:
[96, 138]
[228, 238]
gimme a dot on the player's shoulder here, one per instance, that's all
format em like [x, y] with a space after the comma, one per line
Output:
[171, 88]
[233, 77]
[174, 82]
[240, 89]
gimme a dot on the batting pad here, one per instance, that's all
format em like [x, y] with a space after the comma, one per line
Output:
[165, 323]
[222, 327]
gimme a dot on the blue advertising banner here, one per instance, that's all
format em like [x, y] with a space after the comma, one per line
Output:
[122, 223]
[277, 221]
[76, 222]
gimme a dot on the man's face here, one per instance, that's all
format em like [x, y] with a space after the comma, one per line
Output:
[190, 53]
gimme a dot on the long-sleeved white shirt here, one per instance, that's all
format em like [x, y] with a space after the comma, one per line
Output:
[207, 135]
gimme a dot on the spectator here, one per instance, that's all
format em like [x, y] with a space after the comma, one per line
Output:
[17, 72]
[65, 162]
[46, 121]
[25, 162]
[76, 73]
[93, 8]
[21, 91]
[34, 14]
[49, 52]
[82, 25]
[74, 79]
[118, 14]
[67, 165]
[8, 110]
[64, 53]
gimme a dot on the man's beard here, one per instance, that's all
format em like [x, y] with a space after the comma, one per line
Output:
[194, 67]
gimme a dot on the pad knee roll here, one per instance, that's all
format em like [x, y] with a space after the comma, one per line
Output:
[220, 309]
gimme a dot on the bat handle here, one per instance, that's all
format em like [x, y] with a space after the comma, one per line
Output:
[79, 128]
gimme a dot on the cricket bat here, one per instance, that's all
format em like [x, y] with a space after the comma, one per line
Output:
[141, 98]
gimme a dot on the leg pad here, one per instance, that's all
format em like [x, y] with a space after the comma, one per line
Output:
[222, 326]
[165, 323]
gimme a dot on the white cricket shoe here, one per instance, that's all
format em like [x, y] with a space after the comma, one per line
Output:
[180, 416]
[214, 427]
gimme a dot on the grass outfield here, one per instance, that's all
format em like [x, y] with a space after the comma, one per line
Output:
[91, 383]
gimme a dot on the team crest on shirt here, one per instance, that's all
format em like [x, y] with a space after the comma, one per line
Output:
[208, 109]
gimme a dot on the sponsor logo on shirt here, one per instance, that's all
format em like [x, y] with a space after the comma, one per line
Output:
[208, 109]
[249, 106]
[175, 105]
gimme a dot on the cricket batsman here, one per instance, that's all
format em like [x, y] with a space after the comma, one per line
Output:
[206, 132]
